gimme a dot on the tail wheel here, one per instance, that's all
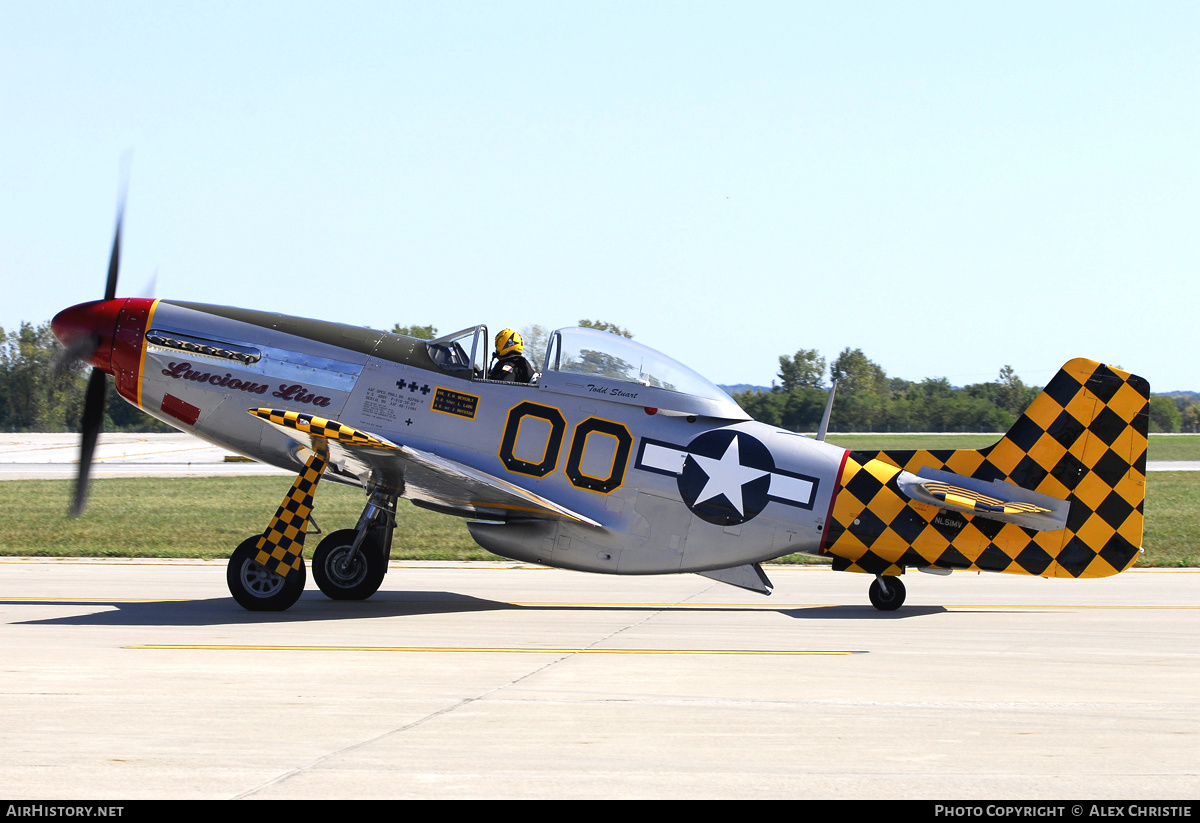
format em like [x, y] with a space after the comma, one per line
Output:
[887, 594]
[341, 578]
[257, 588]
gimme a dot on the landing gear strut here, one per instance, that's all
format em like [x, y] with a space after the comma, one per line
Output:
[350, 564]
[887, 593]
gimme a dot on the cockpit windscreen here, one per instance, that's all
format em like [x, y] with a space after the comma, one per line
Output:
[601, 354]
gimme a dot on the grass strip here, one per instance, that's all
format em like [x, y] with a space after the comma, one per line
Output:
[206, 517]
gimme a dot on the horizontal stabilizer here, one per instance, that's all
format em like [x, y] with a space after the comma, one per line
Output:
[976, 503]
[995, 499]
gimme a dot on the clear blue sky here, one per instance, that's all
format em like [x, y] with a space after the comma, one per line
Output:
[949, 186]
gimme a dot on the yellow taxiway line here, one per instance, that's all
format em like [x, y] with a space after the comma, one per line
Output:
[472, 649]
[559, 604]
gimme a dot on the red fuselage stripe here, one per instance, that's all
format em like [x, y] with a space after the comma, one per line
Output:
[837, 487]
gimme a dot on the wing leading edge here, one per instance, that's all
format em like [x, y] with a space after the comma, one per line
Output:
[427, 479]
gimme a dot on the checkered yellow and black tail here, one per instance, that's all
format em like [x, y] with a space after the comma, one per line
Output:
[1082, 441]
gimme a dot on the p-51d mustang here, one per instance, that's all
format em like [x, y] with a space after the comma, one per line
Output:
[615, 459]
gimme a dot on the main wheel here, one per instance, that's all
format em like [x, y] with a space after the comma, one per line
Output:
[342, 580]
[889, 599]
[257, 588]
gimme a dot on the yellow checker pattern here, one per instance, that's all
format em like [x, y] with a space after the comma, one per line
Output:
[1082, 440]
[320, 427]
[281, 545]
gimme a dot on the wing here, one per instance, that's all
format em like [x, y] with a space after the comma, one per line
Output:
[427, 479]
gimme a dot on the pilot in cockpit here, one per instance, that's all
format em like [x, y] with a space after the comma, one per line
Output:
[510, 365]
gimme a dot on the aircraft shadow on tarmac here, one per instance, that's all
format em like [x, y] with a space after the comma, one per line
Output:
[313, 607]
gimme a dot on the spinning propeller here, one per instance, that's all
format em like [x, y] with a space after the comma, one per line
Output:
[80, 329]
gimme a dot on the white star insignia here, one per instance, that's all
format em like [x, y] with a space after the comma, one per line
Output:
[727, 476]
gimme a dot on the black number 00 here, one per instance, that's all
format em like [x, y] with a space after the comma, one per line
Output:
[553, 447]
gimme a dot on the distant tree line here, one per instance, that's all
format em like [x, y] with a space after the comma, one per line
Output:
[1175, 412]
[39, 391]
[42, 392]
[870, 401]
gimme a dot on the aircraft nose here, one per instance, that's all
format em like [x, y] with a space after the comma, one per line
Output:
[88, 329]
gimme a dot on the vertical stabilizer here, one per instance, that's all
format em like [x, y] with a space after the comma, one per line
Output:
[1083, 440]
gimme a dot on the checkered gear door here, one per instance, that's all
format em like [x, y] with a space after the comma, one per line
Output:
[281, 545]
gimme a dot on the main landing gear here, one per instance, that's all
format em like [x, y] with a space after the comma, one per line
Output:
[349, 564]
[887, 593]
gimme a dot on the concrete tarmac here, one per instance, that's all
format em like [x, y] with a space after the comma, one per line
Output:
[26, 456]
[143, 679]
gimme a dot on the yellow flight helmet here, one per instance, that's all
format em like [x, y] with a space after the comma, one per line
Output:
[508, 342]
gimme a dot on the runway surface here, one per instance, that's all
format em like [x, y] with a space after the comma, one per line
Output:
[144, 680]
[56, 456]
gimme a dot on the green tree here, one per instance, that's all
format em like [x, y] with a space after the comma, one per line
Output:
[805, 369]
[422, 332]
[1012, 395]
[802, 377]
[858, 374]
[611, 328]
[933, 404]
[764, 406]
[1190, 419]
[35, 393]
[1164, 415]
[862, 392]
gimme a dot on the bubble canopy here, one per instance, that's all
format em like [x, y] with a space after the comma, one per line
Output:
[594, 353]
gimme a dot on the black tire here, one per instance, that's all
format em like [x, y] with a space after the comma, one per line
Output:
[255, 587]
[892, 599]
[358, 582]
